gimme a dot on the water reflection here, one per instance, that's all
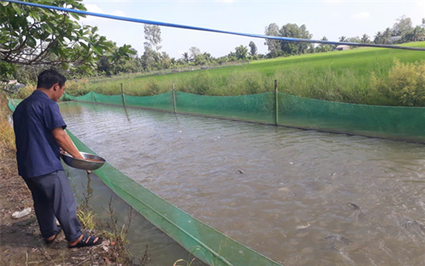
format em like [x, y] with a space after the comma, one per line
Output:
[299, 197]
[126, 114]
[88, 193]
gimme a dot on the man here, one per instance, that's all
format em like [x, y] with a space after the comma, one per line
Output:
[39, 132]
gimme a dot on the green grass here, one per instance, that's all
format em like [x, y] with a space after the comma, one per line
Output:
[336, 76]
[7, 136]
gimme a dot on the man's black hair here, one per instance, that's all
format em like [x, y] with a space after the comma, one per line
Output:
[48, 78]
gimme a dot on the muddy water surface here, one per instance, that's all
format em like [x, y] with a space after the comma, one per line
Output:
[298, 197]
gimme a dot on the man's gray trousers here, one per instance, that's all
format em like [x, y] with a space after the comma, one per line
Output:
[53, 198]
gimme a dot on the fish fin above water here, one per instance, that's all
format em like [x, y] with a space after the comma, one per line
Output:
[355, 206]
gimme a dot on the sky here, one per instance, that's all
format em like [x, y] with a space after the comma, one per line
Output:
[332, 18]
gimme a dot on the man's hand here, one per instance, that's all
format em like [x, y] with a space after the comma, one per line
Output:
[66, 143]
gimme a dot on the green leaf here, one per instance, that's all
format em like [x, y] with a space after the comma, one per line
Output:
[17, 8]
[4, 3]
[84, 45]
[35, 16]
[65, 66]
[47, 28]
[75, 15]
[96, 50]
[31, 42]
[13, 44]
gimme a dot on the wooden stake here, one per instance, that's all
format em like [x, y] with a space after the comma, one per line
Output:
[174, 97]
[122, 95]
[276, 102]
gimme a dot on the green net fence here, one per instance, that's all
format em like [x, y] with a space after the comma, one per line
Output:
[401, 123]
[13, 102]
[258, 107]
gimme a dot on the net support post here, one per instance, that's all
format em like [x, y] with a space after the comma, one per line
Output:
[122, 95]
[91, 95]
[174, 97]
[276, 103]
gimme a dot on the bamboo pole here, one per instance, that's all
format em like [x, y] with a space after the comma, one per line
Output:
[276, 102]
[174, 97]
[91, 94]
[122, 95]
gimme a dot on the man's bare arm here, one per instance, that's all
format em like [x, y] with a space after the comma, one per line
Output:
[65, 142]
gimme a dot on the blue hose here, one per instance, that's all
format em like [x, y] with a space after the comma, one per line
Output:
[172, 25]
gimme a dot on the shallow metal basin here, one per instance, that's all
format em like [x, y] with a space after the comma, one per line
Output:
[83, 164]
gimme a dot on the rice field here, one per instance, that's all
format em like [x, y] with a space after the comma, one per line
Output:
[343, 76]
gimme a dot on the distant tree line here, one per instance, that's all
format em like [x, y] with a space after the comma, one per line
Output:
[30, 40]
[401, 32]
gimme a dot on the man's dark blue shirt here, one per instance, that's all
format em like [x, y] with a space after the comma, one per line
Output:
[34, 120]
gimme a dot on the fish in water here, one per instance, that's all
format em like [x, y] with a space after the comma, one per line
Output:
[355, 206]
[338, 238]
[414, 225]
[303, 226]
[337, 242]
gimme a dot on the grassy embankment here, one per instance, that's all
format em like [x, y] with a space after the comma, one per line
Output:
[345, 76]
[7, 137]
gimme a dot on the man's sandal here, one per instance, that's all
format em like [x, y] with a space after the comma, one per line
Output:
[48, 242]
[87, 241]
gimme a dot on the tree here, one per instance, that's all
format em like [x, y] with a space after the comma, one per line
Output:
[293, 31]
[343, 39]
[36, 36]
[324, 47]
[208, 57]
[164, 61]
[378, 37]
[253, 48]
[241, 52]
[185, 57]
[386, 35]
[194, 51]
[365, 39]
[402, 26]
[415, 35]
[231, 57]
[148, 58]
[122, 53]
[273, 45]
[383, 37]
[152, 58]
[104, 66]
[7, 71]
[222, 60]
[153, 36]
[116, 61]
[173, 62]
[354, 40]
[199, 60]
[119, 58]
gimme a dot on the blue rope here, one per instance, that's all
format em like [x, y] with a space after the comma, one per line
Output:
[172, 25]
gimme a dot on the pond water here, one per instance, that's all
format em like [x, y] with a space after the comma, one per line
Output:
[298, 197]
